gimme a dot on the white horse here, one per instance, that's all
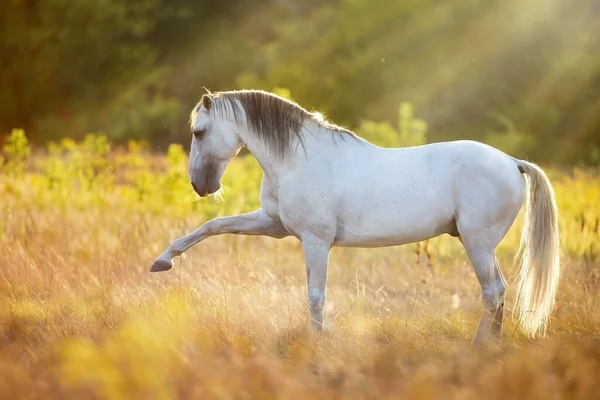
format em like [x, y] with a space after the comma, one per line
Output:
[328, 187]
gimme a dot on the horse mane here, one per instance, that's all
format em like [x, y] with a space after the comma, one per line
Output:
[274, 120]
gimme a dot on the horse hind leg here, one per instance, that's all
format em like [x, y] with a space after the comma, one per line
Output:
[499, 315]
[480, 232]
[493, 289]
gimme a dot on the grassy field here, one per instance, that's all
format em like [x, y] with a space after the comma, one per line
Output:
[80, 316]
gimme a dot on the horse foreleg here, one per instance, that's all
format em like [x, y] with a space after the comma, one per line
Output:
[255, 223]
[316, 254]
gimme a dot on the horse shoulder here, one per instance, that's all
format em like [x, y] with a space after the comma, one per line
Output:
[307, 206]
[269, 198]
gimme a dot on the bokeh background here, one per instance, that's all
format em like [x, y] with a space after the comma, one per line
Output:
[94, 106]
[523, 75]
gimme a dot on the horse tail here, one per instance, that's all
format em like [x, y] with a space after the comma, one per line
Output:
[538, 253]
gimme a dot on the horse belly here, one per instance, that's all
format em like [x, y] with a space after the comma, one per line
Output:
[393, 222]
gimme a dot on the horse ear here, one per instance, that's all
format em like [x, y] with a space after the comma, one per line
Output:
[206, 101]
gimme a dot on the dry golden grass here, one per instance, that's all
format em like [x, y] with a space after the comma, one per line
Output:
[80, 316]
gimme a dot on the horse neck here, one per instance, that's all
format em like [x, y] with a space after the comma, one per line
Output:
[314, 144]
[272, 167]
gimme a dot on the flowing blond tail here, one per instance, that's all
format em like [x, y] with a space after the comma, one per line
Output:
[538, 253]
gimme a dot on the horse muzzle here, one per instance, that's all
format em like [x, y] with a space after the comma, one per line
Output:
[206, 190]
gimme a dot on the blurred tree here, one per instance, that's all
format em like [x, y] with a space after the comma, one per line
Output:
[135, 69]
[510, 139]
[411, 131]
[77, 66]
[461, 64]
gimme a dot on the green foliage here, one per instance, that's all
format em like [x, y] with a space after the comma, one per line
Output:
[510, 140]
[134, 69]
[78, 66]
[379, 133]
[15, 152]
[283, 92]
[175, 182]
[354, 60]
[89, 174]
[411, 131]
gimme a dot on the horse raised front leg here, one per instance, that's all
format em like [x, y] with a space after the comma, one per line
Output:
[316, 254]
[255, 223]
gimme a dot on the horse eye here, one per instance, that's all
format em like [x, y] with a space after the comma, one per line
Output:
[198, 134]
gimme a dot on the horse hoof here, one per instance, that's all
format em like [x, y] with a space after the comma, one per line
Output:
[160, 265]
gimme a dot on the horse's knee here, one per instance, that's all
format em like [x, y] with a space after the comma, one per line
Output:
[493, 295]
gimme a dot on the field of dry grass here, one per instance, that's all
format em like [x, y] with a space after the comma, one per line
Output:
[80, 316]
